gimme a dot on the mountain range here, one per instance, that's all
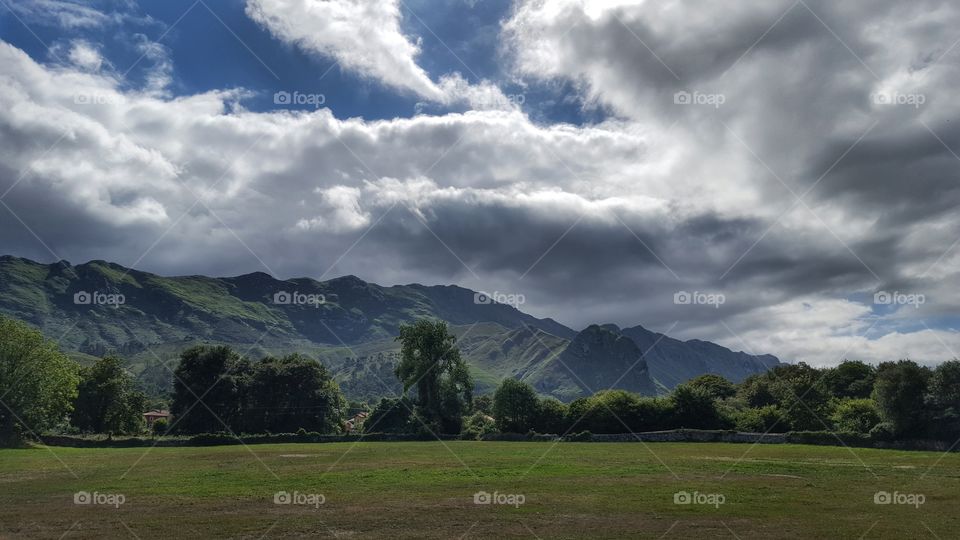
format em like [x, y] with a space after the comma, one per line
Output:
[349, 324]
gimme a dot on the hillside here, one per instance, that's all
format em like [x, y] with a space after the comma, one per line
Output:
[99, 307]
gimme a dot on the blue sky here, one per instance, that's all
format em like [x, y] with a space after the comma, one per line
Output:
[215, 45]
[534, 147]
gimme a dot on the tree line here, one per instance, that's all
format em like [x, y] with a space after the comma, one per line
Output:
[217, 390]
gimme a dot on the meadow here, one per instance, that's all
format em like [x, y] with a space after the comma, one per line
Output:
[429, 490]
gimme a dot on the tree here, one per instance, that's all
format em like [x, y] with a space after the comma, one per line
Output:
[856, 415]
[390, 416]
[755, 392]
[107, 400]
[715, 385]
[431, 362]
[694, 407]
[945, 386]
[551, 416]
[766, 419]
[850, 379]
[944, 400]
[208, 390]
[37, 382]
[483, 404]
[515, 406]
[292, 393]
[899, 392]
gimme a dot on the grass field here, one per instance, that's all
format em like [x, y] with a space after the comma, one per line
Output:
[426, 490]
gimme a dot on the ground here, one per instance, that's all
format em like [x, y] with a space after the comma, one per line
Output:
[427, 490]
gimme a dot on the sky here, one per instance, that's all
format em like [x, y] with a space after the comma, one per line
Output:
[778, 177]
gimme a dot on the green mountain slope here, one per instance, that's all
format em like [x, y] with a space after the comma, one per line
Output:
[98, 308]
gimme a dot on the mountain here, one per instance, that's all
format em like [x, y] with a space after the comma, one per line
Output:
[99, 307]
[672, 361]
[598, 358]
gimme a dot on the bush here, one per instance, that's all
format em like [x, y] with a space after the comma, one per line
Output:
[883, 431]
[583, 436]
[160, 427]
[856, 415]
[768, 419]
[477, 425]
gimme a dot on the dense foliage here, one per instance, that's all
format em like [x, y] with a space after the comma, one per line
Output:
[107, 400]
[37, 382]
[217, 390]
[895, 399]
[431, 363]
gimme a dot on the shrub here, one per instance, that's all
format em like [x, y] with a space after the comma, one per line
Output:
[160, 427]
[477, 425]
[856, 415]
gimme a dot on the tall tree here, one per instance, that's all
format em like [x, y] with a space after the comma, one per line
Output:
[850, 379]
[37, 382]
[899, 392]
[431, 362]
[208, 390]
[516, 406]
[107, 399]
[290, 393]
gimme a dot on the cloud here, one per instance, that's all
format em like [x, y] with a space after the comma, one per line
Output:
[366, 37]
[65, 14]
[593, 223]
[361, 36]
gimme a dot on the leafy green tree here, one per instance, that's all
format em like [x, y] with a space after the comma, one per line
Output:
[483, 404]
[694, 407]
[766, 419]
[209, 390]
[515, 406]
[755, 392]
[390, 416]
[944, 401]
[37, 382]
[715, 385]
[899, 392]
[107, 400]
[292, 393]
[856, 415]
[431, 362]
[850, 379]
[551, 416]
[945, 385]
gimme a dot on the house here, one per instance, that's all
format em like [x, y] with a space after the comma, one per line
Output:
[154, 415]
[355, 423]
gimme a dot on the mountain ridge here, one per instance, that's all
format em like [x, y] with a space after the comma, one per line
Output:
[151, 316]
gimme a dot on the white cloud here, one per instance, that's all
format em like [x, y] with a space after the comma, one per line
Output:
[362, 35]
[365, 36]
[85, 55]
[628, 211]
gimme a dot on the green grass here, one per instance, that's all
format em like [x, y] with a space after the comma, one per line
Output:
[425, 490]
